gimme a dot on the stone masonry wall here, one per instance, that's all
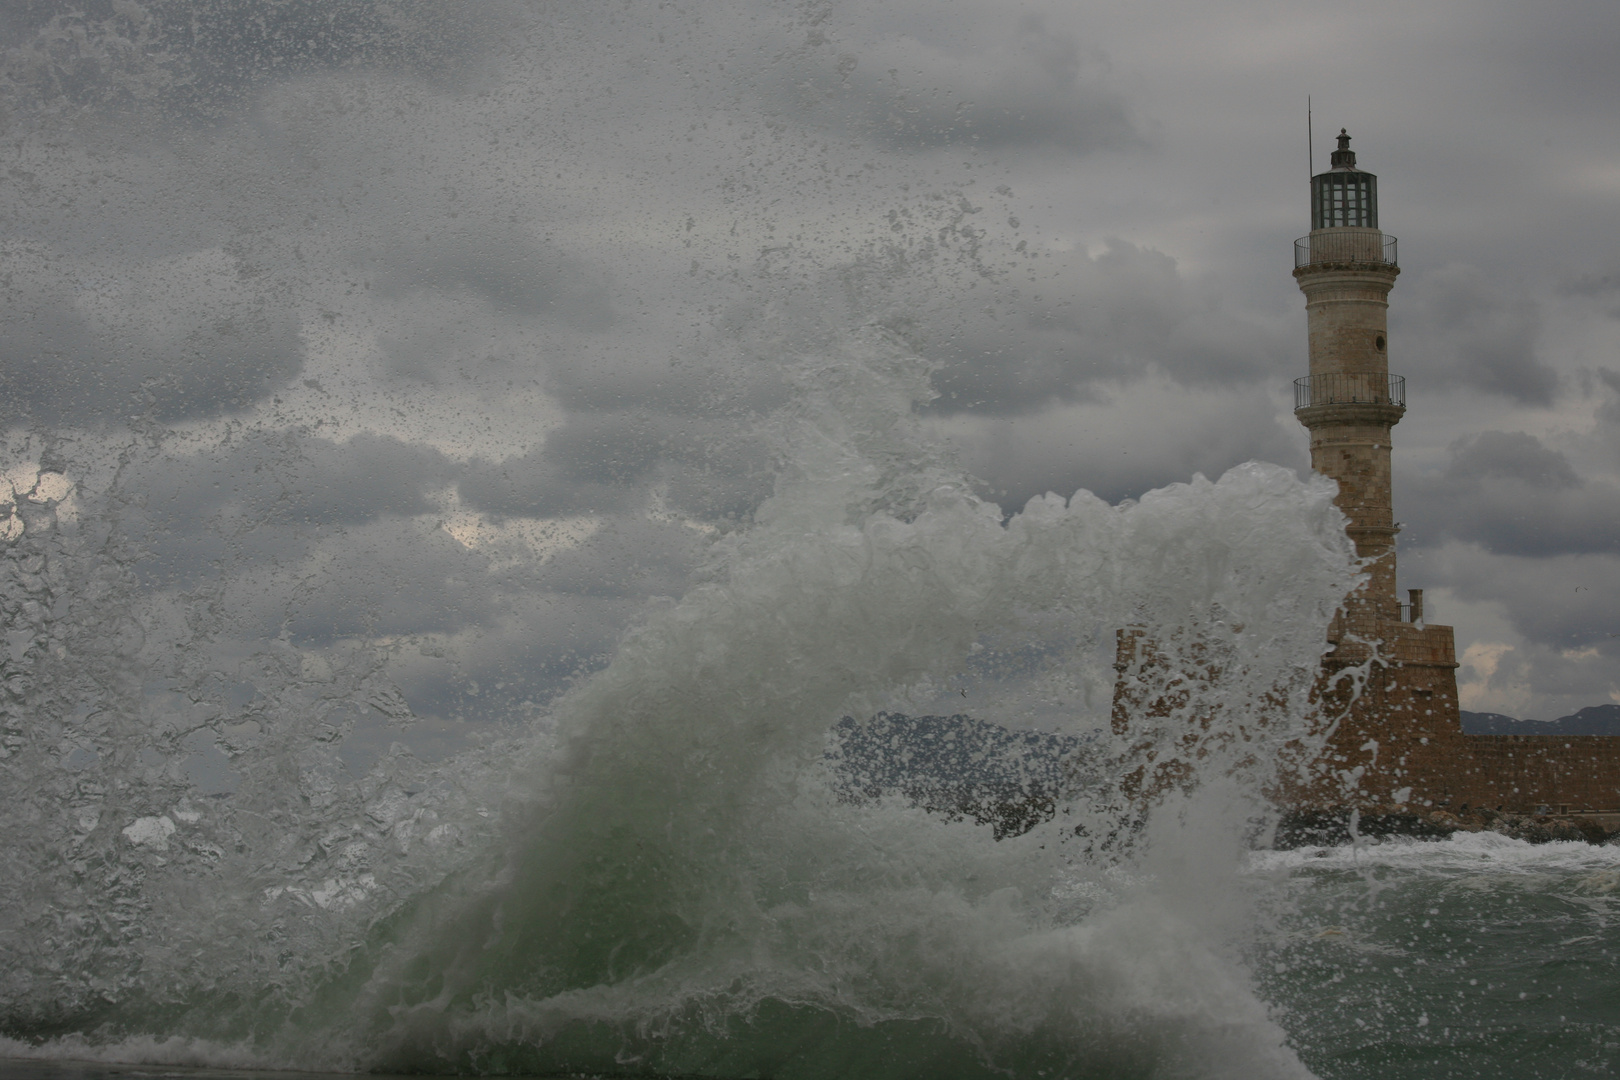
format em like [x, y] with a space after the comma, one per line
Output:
[1388, 690]
[1347, 308]
[1523, 772]
[1348, 315]
[1400, 746]
[1351, 443]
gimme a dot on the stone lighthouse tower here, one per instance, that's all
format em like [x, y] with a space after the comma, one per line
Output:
[1350, 401]
[1388, 752]
[1395, 728]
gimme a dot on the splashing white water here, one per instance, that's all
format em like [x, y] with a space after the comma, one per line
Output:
[660, 876]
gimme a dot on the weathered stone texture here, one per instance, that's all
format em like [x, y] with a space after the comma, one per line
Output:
[1348, 313]
[1399, 746]
[1347, 307]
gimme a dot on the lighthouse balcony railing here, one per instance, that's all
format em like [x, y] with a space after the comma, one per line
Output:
[1350, 388]
[1345, 247]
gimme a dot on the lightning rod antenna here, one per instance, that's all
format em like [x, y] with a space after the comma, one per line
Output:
[1310, 142]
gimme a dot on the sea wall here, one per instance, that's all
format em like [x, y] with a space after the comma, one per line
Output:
[1394, 744]
[1566, 773]
[1398, 746]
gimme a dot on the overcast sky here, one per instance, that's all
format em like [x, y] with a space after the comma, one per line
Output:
[455, 325]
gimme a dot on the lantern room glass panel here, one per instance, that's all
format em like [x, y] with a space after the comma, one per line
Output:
[1344, 198]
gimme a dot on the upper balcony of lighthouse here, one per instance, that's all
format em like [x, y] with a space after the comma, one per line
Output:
[1344, 218]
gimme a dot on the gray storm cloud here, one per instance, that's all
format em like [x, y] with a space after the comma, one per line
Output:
[600, 463]
[172, 338]
[1472, 332]
[200, 60]
[1122, 315]
[1512, 495]
[1031, 89]
[276, 477]
[381, 264]
[515, 274]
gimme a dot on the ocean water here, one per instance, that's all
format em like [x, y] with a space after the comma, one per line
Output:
[1478, 955]
[436, 565]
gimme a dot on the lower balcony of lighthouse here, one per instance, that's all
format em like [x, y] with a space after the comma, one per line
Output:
[1350, 388]
[1350, 397]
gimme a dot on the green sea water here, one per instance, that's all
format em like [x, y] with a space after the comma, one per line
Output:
[1477, 956]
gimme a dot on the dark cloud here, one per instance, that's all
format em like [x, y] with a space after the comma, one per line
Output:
[594, 379]
[593, 463]
[515, 274]
[736, 367]
[494, 208]
[629, 557]
[200, 59]
[1512, 495]
[1608, 413]
[605, 462]
[174, 345]
[1033, 89]
[270, 496]
[1563, 64]
[1561, 679]
[1600, 285]
[1509, 455]
[1064, 451]
[610, 448]
[1464, 329]
[1081, 321]
[1561, 601]
[530, 485]
[477, 302]
[393, 577]
[723, 483]
[292, 476]
[543, 626]
[546, 642]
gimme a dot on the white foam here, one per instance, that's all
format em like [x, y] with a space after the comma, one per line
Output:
[1459, 852]
[141, 1050]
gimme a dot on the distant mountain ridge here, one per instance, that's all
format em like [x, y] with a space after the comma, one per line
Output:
[1592, 720]
[1013, 779]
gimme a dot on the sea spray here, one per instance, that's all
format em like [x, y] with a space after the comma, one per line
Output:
[663, 878]
[687, 892]
[141, 898]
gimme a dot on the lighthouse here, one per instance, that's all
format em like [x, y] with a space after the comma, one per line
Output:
[1394, 721]
[1385, 749]
[1350, 402]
